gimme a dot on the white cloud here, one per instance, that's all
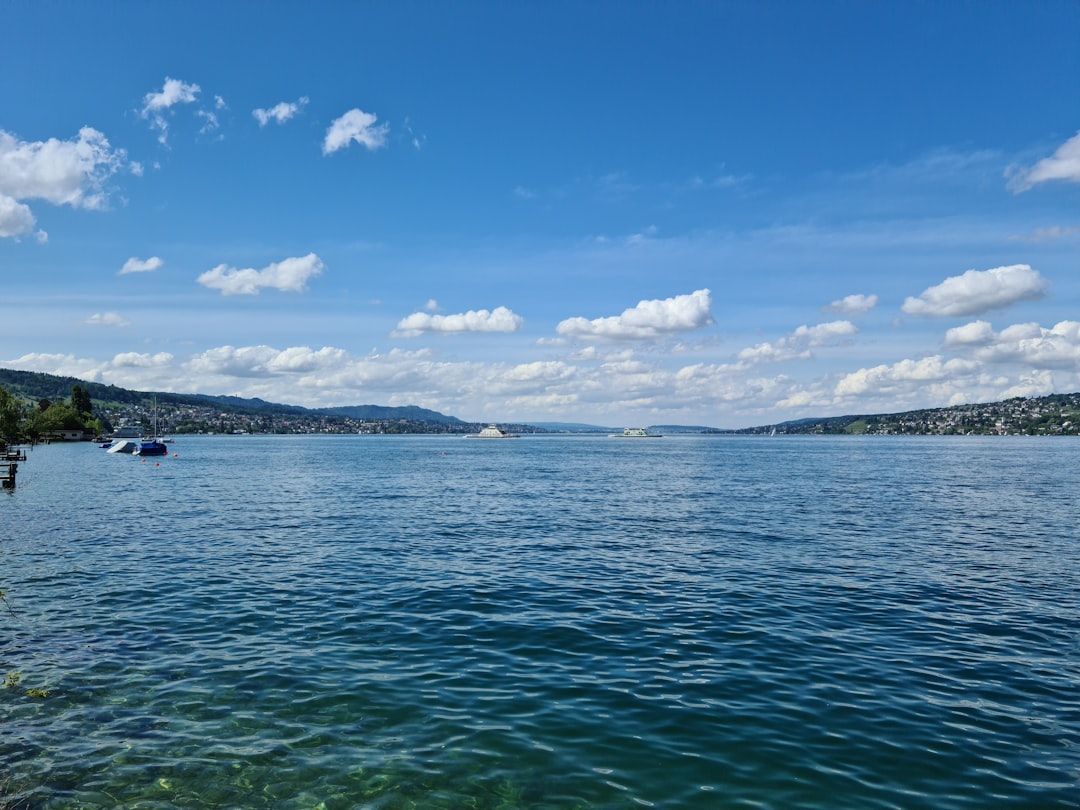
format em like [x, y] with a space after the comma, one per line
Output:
[1064, 164]
[798, 344]
[1021, 360]
[156, 105]
[280, 112]
[289, 275]
[211, 120]
[852, 305]
[976, 333]
[107, 319]
[73, 172]
[174, 92]
[355, 125]
[70, 172]
[649, 319]
[417, 141]
[499, 319]
[1032, 346]
[135, 265]
[143, 361]
[589, 384]
[897, 378]
[978, 291]
[15, 217]
[432, 305]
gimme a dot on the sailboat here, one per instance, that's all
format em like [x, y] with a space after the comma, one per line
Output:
[153, 446]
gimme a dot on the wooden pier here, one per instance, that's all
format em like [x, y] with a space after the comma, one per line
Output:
[9, 466]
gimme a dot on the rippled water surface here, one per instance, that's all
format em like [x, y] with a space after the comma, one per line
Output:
[546, 622]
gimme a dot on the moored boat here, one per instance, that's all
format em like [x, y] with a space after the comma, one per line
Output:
[124, 446]
[152, 447]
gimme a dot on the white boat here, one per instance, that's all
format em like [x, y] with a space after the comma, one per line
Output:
[124, 446]
[492, 432]
[635, 433]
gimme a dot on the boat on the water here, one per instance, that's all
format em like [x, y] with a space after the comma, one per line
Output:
[153, 446]
[492, 432]
[635, 433]
[124, 446]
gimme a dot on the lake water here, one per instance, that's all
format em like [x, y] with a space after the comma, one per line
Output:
[545, 622]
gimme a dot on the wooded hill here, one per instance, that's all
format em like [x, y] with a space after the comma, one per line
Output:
[33, 386]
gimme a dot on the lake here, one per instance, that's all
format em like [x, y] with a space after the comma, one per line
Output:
[544, 622]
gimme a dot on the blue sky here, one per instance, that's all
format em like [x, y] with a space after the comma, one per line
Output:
[621, 213]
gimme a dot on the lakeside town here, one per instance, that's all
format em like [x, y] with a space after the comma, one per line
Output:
[1053, 415]
[1056, 415]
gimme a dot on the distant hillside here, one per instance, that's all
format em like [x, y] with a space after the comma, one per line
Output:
[571, 427]
[412, 412]
[1052, 415]
[35, 386]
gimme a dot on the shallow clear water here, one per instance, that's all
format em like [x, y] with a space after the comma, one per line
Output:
[545, 622]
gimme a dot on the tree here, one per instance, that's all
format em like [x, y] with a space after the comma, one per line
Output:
[57, 417]
[80, 400]
[11, 416]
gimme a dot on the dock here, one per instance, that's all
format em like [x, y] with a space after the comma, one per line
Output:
[9, 466]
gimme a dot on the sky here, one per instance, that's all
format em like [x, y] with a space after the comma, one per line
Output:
[620, 213]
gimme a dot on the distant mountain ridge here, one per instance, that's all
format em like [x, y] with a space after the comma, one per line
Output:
[36, 386]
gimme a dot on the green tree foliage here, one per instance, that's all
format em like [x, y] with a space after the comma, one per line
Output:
[57, 416]
[80, 401]
[11, 417]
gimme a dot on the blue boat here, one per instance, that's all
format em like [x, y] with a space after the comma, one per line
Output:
[153, 446]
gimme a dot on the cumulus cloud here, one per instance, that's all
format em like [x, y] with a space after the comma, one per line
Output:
[280, 112]
[15, 217]
[976, 333]
[156, 105]
[891, 379]
[107, 319]
[135, 265]
[355, 125]
[649, 319]
[978, 291]
[72, 172]
[1031, 346]
[852, 305]
[1064, 164]
[156, 371]
[289, 275]
[499, 319]
[798, 344]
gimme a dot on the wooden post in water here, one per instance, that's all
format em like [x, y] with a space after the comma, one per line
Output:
[7, 477]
